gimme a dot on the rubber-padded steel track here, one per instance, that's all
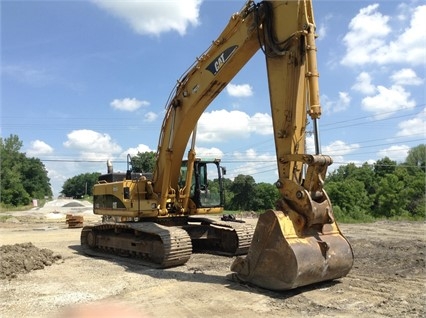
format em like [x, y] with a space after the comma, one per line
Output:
[153, 244]
[236, 243]
[244, 234]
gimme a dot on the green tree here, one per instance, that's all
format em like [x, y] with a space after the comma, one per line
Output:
[416, 185]
[227, 184]
[22, 178]
[388, 189]
[10, 146]
[342, 173]
[384, 166]
[389, 199]
[351, 197]
[415, 180]
[80, 185]
[412, 195]
[12, 189]
[265, 196]
[243, 188]
[417, 157]
[35, 180]
[144, 161]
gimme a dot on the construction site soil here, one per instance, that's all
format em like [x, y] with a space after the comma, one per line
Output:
[45, 274]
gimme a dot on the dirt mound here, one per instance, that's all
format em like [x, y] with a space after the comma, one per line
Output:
[73, 205]
[23, 258]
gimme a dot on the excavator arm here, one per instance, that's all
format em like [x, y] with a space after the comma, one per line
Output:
[294, 93]
[299, 243]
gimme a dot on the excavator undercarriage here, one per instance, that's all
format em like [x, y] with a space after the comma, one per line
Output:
[155, 245]
[167, 242]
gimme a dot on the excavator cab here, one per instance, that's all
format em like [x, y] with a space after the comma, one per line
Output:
[206, 184]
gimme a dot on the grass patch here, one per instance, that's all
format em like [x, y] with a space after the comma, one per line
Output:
[4, 217]
[12, 208]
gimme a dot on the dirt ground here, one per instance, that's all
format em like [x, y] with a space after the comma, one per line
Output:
[387, 280]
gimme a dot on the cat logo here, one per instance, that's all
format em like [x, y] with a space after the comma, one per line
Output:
[215, 66]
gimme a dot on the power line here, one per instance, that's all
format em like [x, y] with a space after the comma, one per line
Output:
[336, 152]
[136, 123]
[229, 161]
[374, 117]
[80, 160]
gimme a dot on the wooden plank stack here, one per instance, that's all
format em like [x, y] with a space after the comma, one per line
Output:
[74, 221]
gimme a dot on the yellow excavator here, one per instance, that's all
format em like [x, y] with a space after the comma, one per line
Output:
[161, 218]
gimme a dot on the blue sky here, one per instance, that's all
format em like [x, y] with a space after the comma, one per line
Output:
[84, 81]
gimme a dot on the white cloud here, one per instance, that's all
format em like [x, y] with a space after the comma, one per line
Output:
[410, 45]
[406, 76]
[243, 90]
[334, 106]
[57, 176]
[59, 172]
[213, 152]
[128, 104]
[155, 17]
[254, 163]
[221, 125]
[39, 147]
[396, 152]
[92, 145]
[414, 126]
[310, 144]
[337, 150]
[383, 101]
[363, 84]
[261, 124]
[150, 117]
[321, 31]
[387, 101]
[322, 27]
[404, 9]
[366, 35]
[28, 74]
[368, 39]
[344, 100]
[134, 151]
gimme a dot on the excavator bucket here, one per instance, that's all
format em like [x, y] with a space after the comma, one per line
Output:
[281, 257]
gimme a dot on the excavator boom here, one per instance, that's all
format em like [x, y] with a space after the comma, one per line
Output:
[197, 88]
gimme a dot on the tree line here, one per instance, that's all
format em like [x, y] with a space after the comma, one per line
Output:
[385, 189]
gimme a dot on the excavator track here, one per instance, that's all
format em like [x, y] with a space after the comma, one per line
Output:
[152, 244]
[243, 232]
[219, 237]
